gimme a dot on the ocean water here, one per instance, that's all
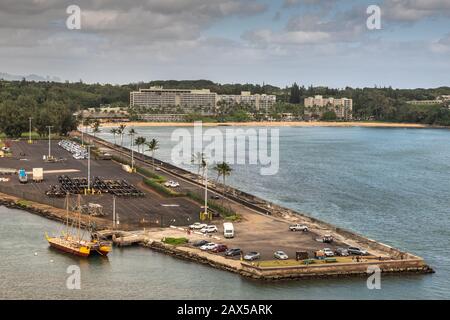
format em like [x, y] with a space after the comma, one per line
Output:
[391, 185]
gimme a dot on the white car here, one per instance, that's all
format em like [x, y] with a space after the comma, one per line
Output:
[197, 226]
[298, 227]
[280, 255]
[172, 184]
[328, 252]
[208, 246]
[209, 229]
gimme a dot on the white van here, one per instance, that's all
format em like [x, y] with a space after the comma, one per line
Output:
[228, 230]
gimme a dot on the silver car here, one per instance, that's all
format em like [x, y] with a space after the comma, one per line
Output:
[280, 255]
[252, 256]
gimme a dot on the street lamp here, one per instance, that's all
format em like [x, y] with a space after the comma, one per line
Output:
[132, 152]
[89, 169]
[49, 141]
[29, 140]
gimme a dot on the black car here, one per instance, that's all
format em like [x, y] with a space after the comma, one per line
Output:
[233, 252]
[200, 243]
[356, 251]
[341, 252]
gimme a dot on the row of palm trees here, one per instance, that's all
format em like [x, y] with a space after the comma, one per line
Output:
[222, 169]
[152, 145]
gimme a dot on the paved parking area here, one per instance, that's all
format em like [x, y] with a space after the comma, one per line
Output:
[150, 211]
[255, 232]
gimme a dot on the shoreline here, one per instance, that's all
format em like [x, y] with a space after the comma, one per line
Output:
[390, 260]
[366, 124]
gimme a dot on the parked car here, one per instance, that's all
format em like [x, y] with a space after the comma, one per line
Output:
[233, 252]
[328, 252]
[327, 238]
[220, 248]
[252, 256]
[228, 230]
[298, 227]
[209, 229]
[208, 246]
[200, 243]
[197, 226]
[215, 197]
[23, 177]
[341, 252]
[171, 184]
[280, 255]
[356, 251]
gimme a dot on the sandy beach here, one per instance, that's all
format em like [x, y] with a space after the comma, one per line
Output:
[273, 124]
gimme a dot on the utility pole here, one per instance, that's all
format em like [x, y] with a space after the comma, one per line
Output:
[89, 168]
[206, 190]
[49, 141]
[132, 152]
[29, 140]
[114, 212]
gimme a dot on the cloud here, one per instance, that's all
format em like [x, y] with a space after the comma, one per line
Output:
[442, 45]
[314, 28]
[411, 11]
[294, 3]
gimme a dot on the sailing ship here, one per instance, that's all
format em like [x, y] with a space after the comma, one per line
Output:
[74, 243]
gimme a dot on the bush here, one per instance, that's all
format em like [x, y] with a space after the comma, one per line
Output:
[158, 187]
[150, 174]
[175, 241]
[224, 212]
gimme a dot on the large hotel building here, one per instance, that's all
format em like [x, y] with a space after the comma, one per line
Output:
[343, 107]
[157, 97]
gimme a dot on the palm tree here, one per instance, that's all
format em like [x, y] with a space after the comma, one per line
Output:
[96, 127]
[121, 133]
[223, 169]
[152, 146]
[131, 133]
[198, 159]
[114, 131]
[139, 141]
[86, 123]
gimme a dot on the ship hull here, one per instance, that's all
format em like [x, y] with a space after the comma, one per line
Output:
[67, 249]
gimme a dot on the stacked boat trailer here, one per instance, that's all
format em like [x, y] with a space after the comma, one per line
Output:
[119, 188]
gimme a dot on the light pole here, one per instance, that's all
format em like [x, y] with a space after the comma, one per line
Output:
[49, 141]
[132, 152]
[89, 169]
[29, 140]
[206, 191]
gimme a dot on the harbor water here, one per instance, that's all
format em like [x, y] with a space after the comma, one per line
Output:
[388, 184]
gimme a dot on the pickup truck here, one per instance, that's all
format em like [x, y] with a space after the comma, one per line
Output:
[298, 227]
[23, 178]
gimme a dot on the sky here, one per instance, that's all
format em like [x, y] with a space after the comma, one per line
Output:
[311, 42]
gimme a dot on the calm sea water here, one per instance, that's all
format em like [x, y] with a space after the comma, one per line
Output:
[388, 184]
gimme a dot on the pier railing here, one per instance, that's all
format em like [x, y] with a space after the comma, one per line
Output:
[34, 196]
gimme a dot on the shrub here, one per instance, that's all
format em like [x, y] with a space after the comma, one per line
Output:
[224, 212]
[175, 241]
[150, 174]
[158, 187]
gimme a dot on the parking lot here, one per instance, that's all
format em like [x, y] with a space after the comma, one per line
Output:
[256, 232]
[134, 212]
